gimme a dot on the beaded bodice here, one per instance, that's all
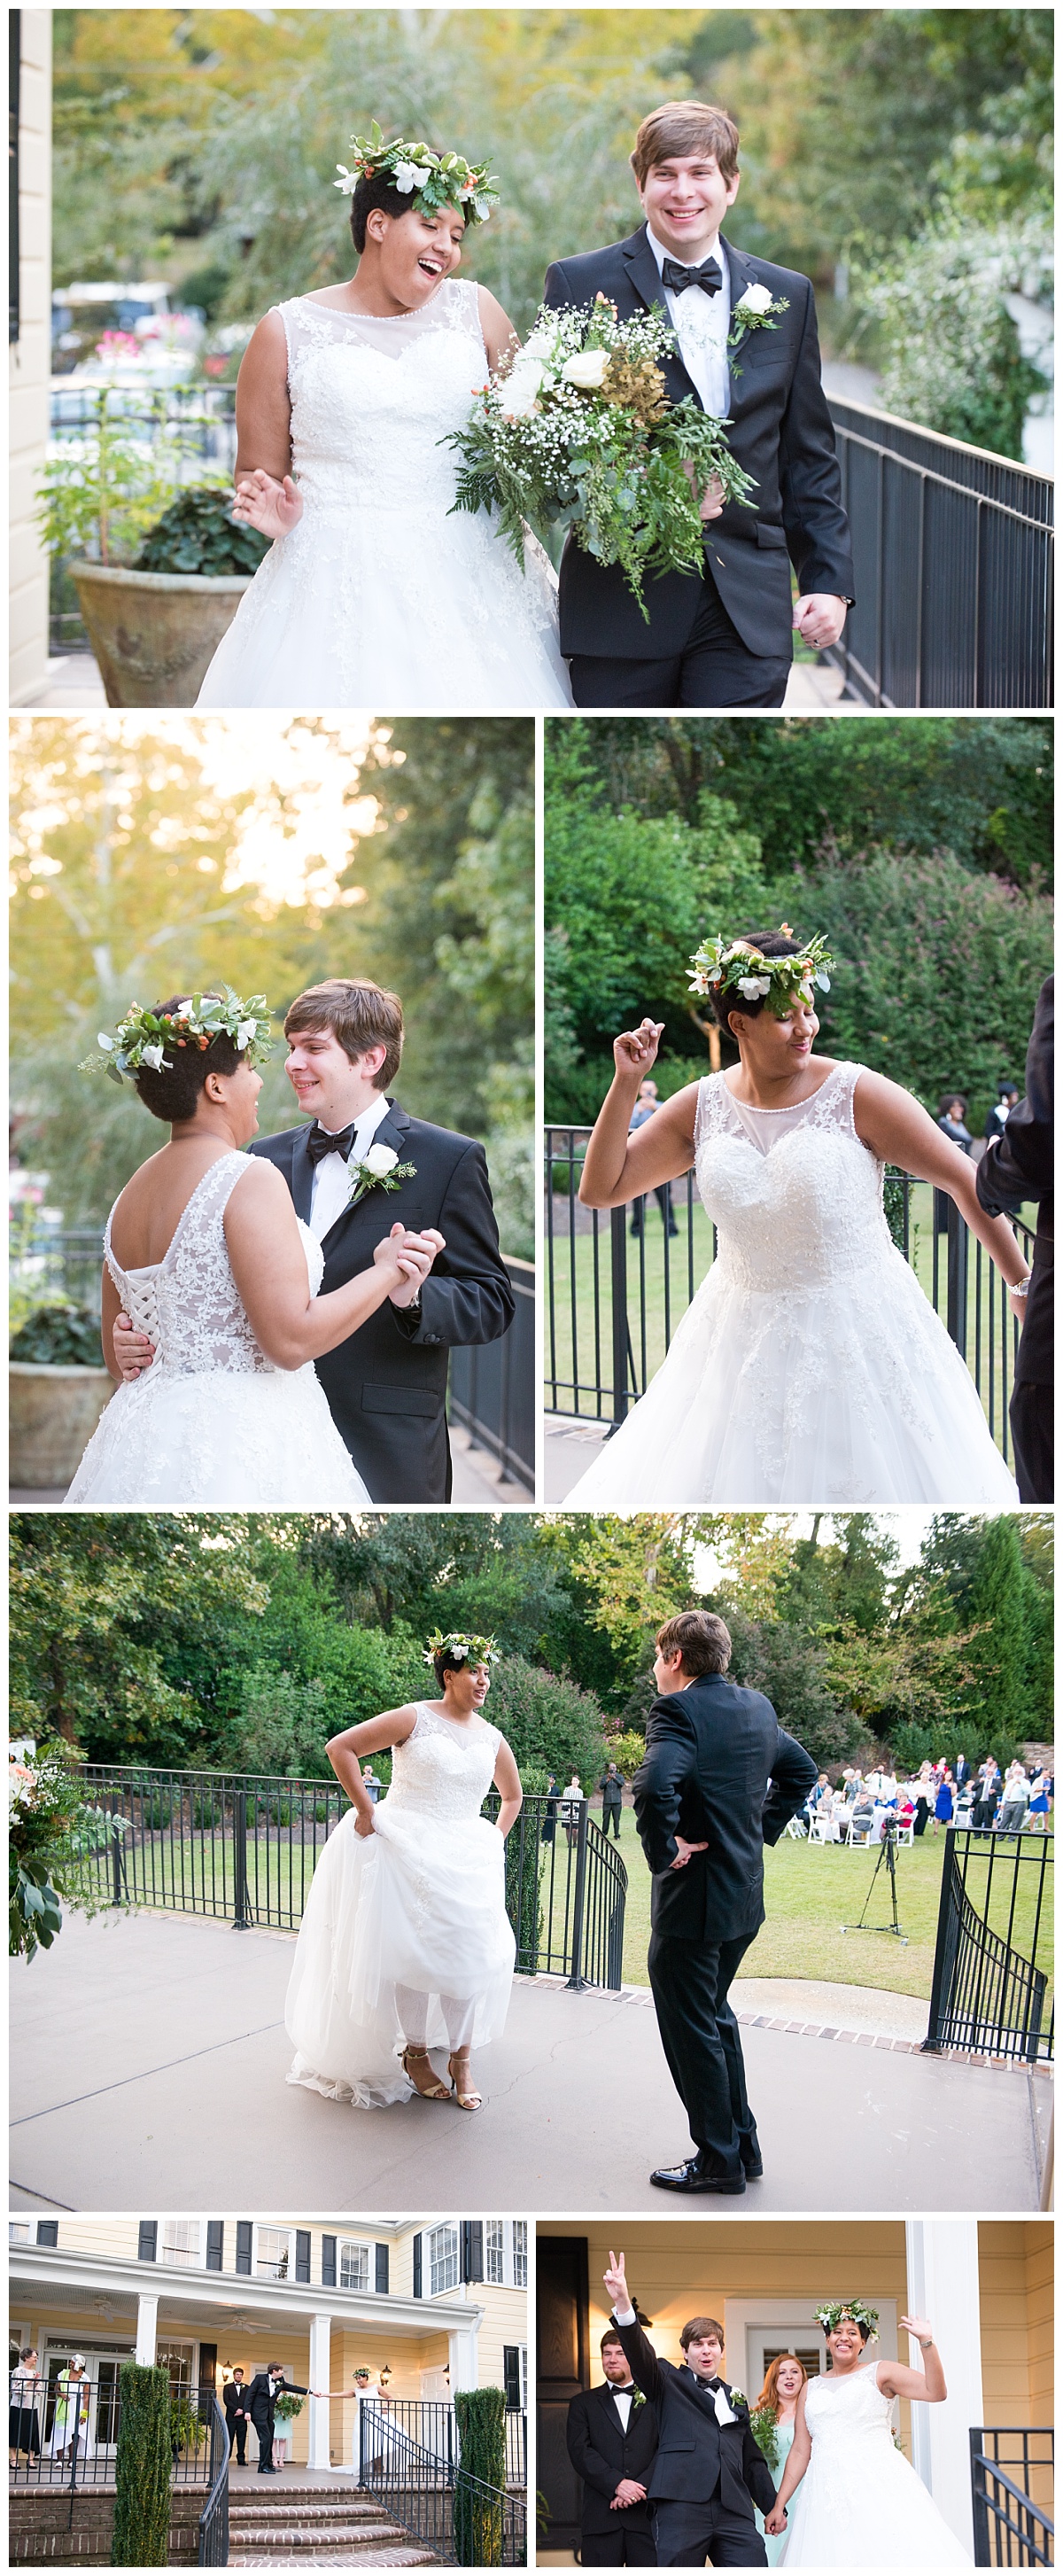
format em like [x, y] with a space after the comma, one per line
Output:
[373, 395]
[445, 1768]
[841, 2411]
[188, 1303]
[796, 1197]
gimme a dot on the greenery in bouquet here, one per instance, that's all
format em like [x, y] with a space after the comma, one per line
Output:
[51, 1830]
[287, 2405]
[763, 2425]
[579, 434]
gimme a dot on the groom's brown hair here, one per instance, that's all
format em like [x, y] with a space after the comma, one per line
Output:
[700, 1638]
[686, 125]
[359, 1014]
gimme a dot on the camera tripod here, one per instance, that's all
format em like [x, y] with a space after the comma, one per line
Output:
[887, 1854]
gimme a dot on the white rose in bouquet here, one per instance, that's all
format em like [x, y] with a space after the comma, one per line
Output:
[380, 1160]
[587, 370]
[757, 299]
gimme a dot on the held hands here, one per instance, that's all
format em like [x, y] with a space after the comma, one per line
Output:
[616, 2282]
[635, 1050]
[628, 2492]
[414, 1254]
[819, 619]
[684, 1852]
[775, 2521]
[263, 503]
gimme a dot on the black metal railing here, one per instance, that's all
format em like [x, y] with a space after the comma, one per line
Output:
[67, 1260]
[431, 2424]
[214, 2519]
[198, 425]
[491, 1386]
[1012, 2479]
[68, 2437]
[990, 1990]
[619, 1280]
[244, 1848]
[953, 558]
[462, 2520]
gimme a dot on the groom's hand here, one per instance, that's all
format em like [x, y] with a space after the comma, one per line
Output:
[685, 1851]
[132, 1350]
[819, 619]
[418, 1253]
[775, 2521]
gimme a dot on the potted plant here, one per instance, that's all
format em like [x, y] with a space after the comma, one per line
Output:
[158, 577]
[57, 1390]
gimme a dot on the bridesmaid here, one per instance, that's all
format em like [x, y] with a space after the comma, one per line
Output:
[784, 2381]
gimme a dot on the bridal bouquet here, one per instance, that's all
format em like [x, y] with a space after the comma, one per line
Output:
[580, 434]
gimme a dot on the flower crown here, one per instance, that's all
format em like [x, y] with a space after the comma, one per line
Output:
[465, 1650]
[432, 179]
[721, 965]
[833, 2310]
[143, 1036]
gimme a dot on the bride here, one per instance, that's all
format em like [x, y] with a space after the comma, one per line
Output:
[203, 1249]
[405, 1944]
[372, 594]
[810, 1367]
[862, 2504]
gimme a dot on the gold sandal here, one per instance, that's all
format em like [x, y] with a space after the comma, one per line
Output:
[465, 2101]
[437, 2092]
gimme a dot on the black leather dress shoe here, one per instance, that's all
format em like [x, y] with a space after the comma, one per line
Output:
[693, 2176]
[754, 2172]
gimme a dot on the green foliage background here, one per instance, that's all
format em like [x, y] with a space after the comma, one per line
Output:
[142, 2468]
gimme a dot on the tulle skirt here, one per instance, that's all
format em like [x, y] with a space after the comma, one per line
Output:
[862, 2505]
[255, 1440]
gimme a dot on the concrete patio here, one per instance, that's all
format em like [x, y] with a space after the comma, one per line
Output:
[146, 2050]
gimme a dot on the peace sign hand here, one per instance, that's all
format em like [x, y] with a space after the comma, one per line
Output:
[616, 2282]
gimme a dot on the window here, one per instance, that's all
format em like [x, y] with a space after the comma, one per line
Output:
[18, 2231]
[272, 2257]
[180, 2242]
[520, 2253]
[442, 2259]
[354, 2265]
[177, 2359]
[494, 2250]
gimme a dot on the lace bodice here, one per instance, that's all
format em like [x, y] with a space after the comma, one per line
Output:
[840, 2411]
[796, 1197]
[445, 1768]
[372, 396]
[188, 1303]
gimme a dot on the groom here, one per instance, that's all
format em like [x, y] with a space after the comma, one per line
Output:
[720, 1779]
[709, 2471]
[721, 637]
[386, 1386]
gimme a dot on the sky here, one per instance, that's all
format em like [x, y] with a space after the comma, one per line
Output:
[908, 1526]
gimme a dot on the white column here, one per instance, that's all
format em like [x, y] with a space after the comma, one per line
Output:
[464, 2356]
[942, 2264]
[147, 2324]
[320, 2364]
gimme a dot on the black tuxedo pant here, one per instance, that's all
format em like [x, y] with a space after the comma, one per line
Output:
[630, 2545]
[714, 669]
[687, 2534]
[238, 2434]
[700, 2038]
[1031, 1416]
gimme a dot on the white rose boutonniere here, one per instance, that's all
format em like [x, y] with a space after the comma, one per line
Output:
[378, 1168]
[757, 299]
[756, 310]
[738, 2398]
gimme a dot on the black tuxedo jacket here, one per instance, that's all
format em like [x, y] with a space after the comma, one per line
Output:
[696, 2456]
[1018, 1165]
[261, 2400]
[235, 2399]
[387, 1385]
[781, 434]
[718, 1770]
[601, 2454]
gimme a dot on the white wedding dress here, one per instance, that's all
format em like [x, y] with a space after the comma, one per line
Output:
[862, 2504]
[405, 1934]
[212, 1425]
[810, 1366]
[378, 598]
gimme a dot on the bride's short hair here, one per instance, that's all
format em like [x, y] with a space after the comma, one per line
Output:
[173, 1093]
[727, 998]
[359, 1014]
[377, 190]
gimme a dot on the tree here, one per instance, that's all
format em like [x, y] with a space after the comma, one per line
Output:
[143, 2466]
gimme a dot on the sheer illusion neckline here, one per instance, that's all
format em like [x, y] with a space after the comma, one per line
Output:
[342, 313]
[144, 1269]
[483, 1725]
[760, 1110]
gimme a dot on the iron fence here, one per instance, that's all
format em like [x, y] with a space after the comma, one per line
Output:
[491, 1386]
[244, 1848]
[953, 555]
[1007, 2463]
[69, 2438]
[989, 1993]
[430, 2423]
[197, 423]
[214, 2519]
[618, 1281]
[465, 2522]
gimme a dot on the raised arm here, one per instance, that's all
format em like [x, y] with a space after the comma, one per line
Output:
[619, 1167]
[642, 2359]
[269, 1267]
[899, 1130]
[896, 2379]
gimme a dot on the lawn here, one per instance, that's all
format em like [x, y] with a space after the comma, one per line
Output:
[810, 1890]
[657, 1296]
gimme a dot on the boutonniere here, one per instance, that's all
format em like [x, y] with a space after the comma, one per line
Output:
[738, 2398]
[378, 1169]
[638, 2399]
[755, 311]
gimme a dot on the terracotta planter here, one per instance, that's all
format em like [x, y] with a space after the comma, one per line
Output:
[154, 633]
[53, 1413]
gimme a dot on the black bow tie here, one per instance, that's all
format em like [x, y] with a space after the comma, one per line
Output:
[319, 1142]
[709, 276]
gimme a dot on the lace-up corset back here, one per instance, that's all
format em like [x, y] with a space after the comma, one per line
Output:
[445, 1768]
[839, 2411]
[795, 1195]
[372, 396]
[189, 1303]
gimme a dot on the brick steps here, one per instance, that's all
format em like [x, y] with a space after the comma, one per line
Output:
[313, 2523]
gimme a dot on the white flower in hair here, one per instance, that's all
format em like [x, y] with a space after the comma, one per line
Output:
[152, 1055]
[407, 177]
[755, 987]
[244, 1034]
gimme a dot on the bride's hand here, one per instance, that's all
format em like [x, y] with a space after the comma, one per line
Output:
[363, 1823]
[416, 1256]
[635, 1050]
[920, 2327]
[263, 503]
[775, 2521]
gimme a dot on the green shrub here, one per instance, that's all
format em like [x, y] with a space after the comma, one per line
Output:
[198, 534]
[546, 1719]
[60, 1337]
[627, 1751]
[143, 2468]
[481, 2423]
[952, 356]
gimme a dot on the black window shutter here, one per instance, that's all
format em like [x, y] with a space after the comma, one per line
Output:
[511, 2375]
[147, 2240]
[328, 2262]
[243, 2244]
[417, 2290]
[215, 2244]
[381, 2280]
[48, 2232]
[472, 2249]
[302, 2253]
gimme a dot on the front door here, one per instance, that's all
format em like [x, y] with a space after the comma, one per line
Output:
[562, 2305]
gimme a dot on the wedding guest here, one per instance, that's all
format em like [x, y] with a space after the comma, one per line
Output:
[784, 2380]
[237, 2414]
[371, 1782]
[951, 1119]
[1040, 1802]
[997, 1116]
[550, 1816]
[644, 1108]
[572, 1802]
[924, 1795]
[1019, 1165]
[1015, 1801]
[23, 2428]
[943, 1802]
[612, 1789]
[612, 2435]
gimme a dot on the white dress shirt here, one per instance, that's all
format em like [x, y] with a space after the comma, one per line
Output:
[702, 323]
[725, 2413]
[625, 2399]
[331, 1178]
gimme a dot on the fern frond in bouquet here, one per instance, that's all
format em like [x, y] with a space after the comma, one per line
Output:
[580, 434]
